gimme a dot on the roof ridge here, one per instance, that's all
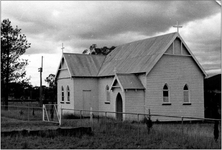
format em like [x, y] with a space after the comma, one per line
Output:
[148, 38]
[84, 54]
[101, 66]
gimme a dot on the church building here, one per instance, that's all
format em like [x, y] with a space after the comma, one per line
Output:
[159, 74]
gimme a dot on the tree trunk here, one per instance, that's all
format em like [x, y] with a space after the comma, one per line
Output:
[7, 77]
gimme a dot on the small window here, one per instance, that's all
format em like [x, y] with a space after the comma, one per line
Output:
[62, 89]
[107, 95]
[186, 94]
[165, 94]
[68, 95]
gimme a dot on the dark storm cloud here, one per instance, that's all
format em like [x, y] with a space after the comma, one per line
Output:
[106, 23]
[146, 18]
[63, 21]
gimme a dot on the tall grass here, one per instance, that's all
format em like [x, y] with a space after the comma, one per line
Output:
[23, 113]
[113, 134]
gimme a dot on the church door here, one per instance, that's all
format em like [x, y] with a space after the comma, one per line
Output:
[119, 107]
[86, 100]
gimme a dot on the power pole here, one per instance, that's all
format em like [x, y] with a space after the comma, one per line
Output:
[40, 91]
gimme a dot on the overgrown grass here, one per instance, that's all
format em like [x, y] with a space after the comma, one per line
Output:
[9, 124]
[23, 113]
[112, 134]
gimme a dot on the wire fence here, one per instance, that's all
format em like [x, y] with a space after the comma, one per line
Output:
[24, 113]
[112, 122]
[141, 124]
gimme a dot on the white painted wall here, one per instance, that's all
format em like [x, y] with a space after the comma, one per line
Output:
[86, 84]
[134, 100]
[103, 82]
[176, 71]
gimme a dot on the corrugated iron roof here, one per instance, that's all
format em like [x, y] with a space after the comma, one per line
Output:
[135, 57]
[83, 65]
[129, 81]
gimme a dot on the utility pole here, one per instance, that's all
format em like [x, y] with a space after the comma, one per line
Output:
[40, 91]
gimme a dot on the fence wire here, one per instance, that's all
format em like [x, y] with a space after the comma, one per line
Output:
[142, 124]
[25, 113]
[111, 122]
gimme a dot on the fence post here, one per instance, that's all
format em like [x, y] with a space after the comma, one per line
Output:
[149, 114]
[81, 116]
[105, 119]
[60, 118]
[43, 116]
[28, 112]
[138, 117]
[91, 117]
[182, 125]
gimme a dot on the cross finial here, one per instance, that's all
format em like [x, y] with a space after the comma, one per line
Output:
[177, 26]
[62, 48]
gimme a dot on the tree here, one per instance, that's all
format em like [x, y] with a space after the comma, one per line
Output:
[93, 50]
[13, 45]
[51, 80]
[51, 92]
[19, 90]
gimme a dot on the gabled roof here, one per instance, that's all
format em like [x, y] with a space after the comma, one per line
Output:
[83, 65]
[135, 57]
[139, 56]
[127, 81]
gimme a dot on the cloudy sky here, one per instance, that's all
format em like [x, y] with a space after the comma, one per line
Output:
[79, 24]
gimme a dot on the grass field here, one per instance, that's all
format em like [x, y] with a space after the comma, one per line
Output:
[23, 112]
[112, 134]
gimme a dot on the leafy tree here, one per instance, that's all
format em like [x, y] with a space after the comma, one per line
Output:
[93, 50]
[51, 91]
[13, 45]
[20, 90]
[51, 80]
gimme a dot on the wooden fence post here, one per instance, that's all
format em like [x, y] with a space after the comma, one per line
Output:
[81, 116]
[60, 118]
[28, 112]
[105, 119]
[182, 126]
[91, 117]
[138, 117]
[43, 116]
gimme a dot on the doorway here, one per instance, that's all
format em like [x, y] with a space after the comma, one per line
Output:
[119, 107]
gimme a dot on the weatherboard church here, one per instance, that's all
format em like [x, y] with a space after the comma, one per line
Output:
[159, 74]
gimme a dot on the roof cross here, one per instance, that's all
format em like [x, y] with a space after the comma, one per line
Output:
[177, 26]
[62, 48]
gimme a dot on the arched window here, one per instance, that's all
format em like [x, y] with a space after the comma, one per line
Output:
[107, 94]
[68, 94]
[165, 93]
[186, 94]
[62, 90]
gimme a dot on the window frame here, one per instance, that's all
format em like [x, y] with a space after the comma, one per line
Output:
[107, 101]
[62, 95]
[188, 97]
[166, 89]
[68, 94]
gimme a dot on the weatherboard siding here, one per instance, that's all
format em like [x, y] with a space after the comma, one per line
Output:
[63, 74]
[65, 104]
[134, 100]
[63, 79]
[86, 84]
[103, 82]
[176, 71]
